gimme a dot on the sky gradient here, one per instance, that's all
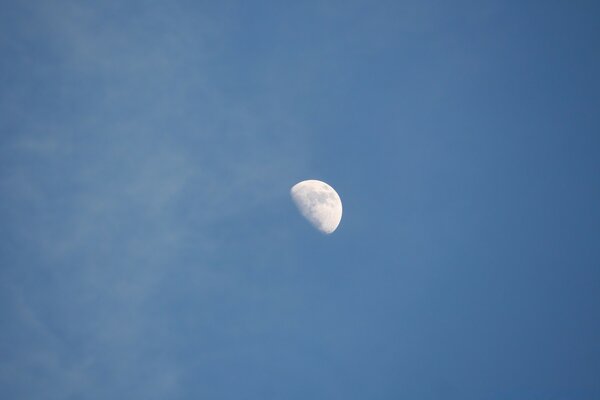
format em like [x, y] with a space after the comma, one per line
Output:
[149, 248]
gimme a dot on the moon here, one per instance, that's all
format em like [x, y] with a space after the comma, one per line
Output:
[319, 203]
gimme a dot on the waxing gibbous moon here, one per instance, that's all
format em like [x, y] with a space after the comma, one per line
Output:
[319, 203]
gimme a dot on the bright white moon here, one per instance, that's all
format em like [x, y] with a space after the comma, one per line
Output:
[319, 204]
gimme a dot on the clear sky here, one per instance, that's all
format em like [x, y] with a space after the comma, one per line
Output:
[149, 248]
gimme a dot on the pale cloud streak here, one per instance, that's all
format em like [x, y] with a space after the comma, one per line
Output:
[133, 156]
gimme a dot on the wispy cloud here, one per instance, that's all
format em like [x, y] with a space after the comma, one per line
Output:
[132, 154]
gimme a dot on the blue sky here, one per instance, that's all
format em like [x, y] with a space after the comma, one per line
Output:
[149, 248]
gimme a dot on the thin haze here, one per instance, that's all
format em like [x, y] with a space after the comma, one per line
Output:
[149, 248]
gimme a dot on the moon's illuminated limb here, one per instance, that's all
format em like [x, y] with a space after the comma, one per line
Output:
[319, 204]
